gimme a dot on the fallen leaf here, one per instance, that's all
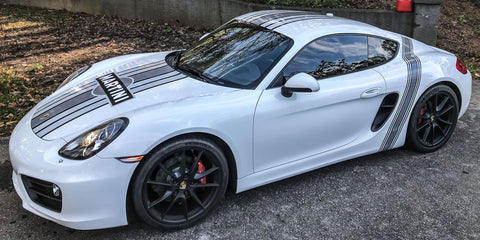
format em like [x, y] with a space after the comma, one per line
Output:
[11, 122]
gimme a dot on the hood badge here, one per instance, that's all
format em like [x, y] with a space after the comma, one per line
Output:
[114, 87]
[45, 116]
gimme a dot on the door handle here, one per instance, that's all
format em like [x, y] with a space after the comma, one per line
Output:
[372, 92]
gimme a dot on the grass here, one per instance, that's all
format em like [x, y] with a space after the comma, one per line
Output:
[35, 68]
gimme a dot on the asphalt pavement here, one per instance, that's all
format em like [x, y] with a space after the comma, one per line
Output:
[398, 194]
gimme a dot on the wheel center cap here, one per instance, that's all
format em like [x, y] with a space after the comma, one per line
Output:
[432, 118]
[183, 185]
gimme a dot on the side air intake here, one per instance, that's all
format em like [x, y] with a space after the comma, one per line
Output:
[386, 108]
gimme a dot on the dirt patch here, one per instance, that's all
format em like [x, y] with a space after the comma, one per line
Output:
[459, 31]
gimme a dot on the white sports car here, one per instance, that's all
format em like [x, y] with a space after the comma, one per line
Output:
[266, 96]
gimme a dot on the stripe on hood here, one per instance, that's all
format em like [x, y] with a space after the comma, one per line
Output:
[109, 89]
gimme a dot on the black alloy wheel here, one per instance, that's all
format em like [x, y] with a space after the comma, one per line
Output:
[180, 183]
[433, 119]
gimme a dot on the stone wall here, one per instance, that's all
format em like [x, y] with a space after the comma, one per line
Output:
[209, 14]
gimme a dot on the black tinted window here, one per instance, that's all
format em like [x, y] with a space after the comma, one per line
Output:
[380, 50]
[235, 55]
[330, 56]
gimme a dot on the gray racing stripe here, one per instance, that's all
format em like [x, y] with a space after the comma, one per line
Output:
[73, 92]
[74, 96]
[259, 14]
[66, 114]
[275, 16]
[250, 15]
[282, 20]
[265, 15]
[74, 103]
[47, 115]
[409, 94]
[416, 61]
[156, 79]
[159, 82]
[146, 67]
[139, 77]
[94, 106]
[296, 20]
[86, 95]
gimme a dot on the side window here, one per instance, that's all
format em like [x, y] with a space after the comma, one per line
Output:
[330, 56]
[380, 50]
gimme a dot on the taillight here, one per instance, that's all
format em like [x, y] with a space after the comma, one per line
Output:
[461, 66]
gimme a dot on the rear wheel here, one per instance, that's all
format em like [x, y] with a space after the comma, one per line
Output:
[433, 119]
[180, 183]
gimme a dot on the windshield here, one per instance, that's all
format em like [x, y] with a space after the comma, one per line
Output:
[235, 55]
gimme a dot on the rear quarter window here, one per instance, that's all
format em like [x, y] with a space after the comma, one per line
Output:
[381, 50]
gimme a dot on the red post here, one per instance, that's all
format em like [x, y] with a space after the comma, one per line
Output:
[404, 5]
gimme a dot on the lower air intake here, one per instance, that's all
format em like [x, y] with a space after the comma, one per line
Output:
[45, 194]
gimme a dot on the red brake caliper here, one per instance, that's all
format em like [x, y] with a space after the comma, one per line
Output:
[201, 169]
[422, 111]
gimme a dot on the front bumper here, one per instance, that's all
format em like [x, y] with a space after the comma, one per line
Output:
[94, 191]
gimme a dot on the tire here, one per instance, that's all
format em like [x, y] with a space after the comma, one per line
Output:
[165, 198]
[433, 119]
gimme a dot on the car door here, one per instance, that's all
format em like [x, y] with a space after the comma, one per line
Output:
[306, 124]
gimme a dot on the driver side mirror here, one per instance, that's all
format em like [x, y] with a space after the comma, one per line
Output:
[300, 82]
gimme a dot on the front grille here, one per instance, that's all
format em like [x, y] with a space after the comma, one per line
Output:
[41, 192]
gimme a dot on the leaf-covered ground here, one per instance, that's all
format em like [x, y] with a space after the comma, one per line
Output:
[459, 31]
[39, 47]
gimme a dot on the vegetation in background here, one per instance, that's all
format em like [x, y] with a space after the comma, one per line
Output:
[460, 32]
[35, 68]
[474, 67]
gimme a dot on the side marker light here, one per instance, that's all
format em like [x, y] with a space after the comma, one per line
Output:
[131, 159]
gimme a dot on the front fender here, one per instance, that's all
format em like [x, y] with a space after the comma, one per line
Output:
[228, 116]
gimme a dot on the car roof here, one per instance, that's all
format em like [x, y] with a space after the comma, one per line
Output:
[301, 24]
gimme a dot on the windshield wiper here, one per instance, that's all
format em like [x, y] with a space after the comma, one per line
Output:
[195, 72]
[176, 59]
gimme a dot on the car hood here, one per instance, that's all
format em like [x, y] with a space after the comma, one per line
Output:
[114, 88]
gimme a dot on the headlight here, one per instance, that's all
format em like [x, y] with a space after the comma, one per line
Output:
[91, 142]
[74, 75]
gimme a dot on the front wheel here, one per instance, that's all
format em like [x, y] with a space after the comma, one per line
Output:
[433, 119]
[180, 183]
